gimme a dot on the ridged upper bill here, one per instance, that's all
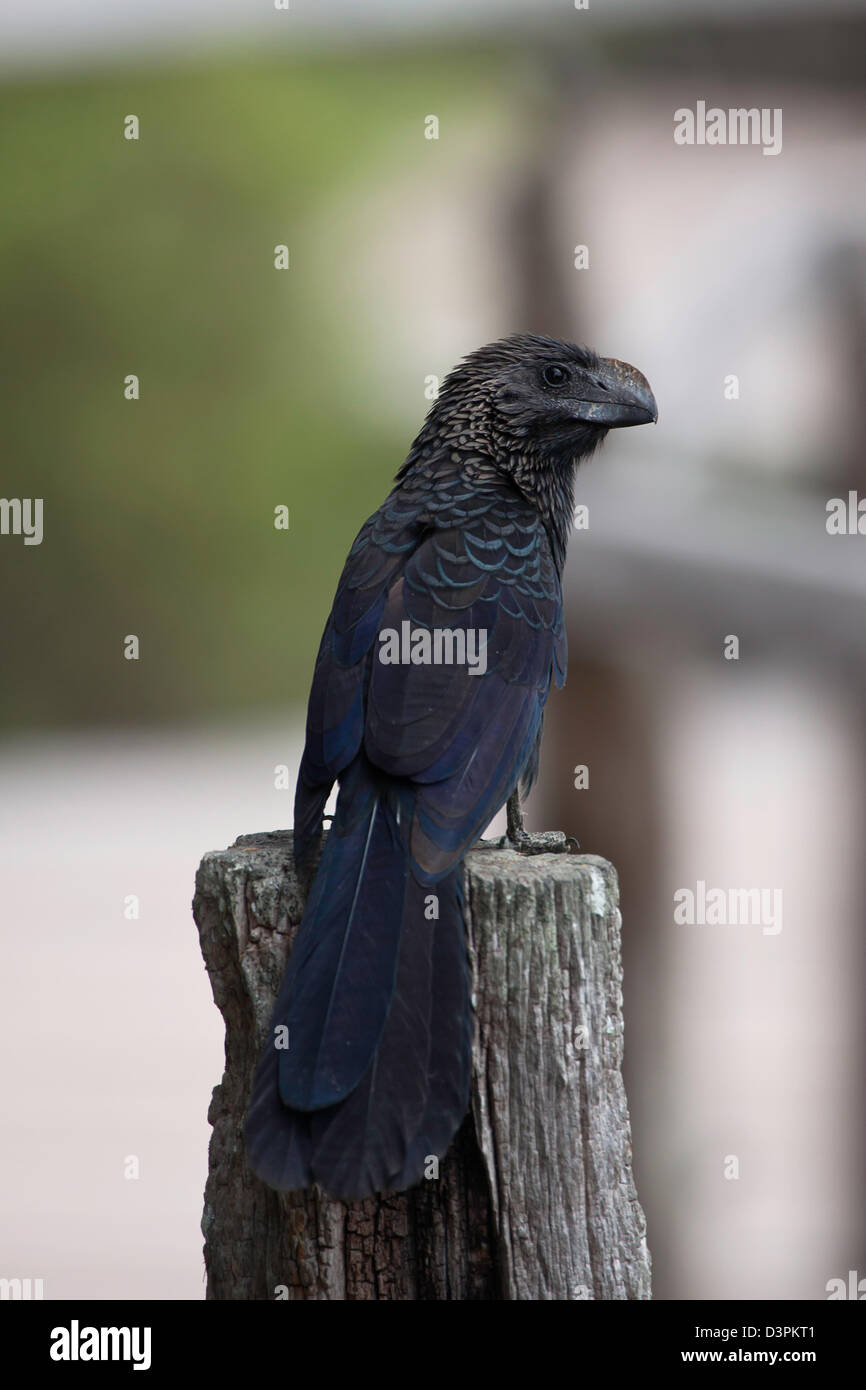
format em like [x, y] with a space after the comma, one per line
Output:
[619, 395]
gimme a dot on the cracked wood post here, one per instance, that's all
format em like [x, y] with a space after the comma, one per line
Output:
[535, 1199]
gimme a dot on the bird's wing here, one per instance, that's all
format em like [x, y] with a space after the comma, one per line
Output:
[450, 559]
[462, 738]
[337, 704]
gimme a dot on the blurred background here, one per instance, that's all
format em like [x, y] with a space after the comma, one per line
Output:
[302, 388]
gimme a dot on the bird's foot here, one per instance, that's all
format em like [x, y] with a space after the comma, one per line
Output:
[542, 842]
[519, 839]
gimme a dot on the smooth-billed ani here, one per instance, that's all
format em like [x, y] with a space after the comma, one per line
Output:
[375, 1003]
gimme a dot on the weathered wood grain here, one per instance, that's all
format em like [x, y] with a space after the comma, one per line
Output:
[535, 1199]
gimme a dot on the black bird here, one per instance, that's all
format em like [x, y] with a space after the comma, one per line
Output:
[366, 1075]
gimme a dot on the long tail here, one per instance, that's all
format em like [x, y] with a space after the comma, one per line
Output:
[366, 1073]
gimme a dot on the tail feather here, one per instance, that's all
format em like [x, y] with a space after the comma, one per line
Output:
[450, 1066]
[278, 1143]
[340, 981]
[411, 1102]
[375, 1078]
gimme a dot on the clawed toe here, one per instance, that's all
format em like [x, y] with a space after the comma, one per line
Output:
[542, 842]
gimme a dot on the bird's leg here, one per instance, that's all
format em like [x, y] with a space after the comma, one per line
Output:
[514, 815]
[519, 839]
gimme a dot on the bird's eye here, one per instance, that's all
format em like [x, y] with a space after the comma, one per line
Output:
[554, 375]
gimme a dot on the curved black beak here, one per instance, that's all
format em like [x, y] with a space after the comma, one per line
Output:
[618, 395]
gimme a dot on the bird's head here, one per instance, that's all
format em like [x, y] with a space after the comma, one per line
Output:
[533, 397]
[531, 407]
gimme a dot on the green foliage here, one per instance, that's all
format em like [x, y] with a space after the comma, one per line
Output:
[155, 257]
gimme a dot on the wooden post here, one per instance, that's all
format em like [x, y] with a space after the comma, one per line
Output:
[535, 1199]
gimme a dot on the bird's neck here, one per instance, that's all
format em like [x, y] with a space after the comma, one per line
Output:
[551, 492]
[548, 489]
